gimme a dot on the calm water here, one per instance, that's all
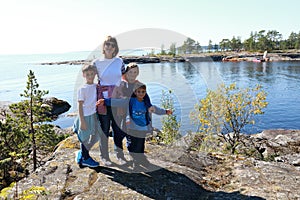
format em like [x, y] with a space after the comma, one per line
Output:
[188, 81]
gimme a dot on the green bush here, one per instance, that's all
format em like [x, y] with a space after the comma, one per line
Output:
[170, 125]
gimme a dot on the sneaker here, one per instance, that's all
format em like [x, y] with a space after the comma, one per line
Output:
[78, 157]
[89, 163]
[121, 161]
[106, 162]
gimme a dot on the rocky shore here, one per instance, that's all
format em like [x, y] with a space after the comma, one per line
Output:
[176, 173]
[242, 56]
[57, 107]
[204, 57]
[126, 59]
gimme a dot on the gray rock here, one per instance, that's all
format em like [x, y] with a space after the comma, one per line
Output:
[57, 106]
[175, 173]
[64, 179]
[293, 159]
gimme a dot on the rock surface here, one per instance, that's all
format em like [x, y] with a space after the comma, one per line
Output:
[175, 173]
[283, 145]
[57, 106]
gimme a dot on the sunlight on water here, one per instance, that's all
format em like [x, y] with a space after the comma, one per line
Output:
[188, 82]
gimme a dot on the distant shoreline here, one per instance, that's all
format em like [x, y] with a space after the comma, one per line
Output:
[203, 57]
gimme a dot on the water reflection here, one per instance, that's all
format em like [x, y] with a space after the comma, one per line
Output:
[189, 82]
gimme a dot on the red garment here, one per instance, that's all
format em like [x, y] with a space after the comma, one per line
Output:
[101, 109]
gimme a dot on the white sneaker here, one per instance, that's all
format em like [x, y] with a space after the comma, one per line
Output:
[106, 162]
[121, 161]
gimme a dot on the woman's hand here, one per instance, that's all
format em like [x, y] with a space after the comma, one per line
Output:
[100, 102]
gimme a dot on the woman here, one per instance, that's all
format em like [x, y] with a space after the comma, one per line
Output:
[110, 70]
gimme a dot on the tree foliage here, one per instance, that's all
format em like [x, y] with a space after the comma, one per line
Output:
[226, 111]
[261, 40]
[270, 40]
[190, 46]
[172, 50]
[162, 50]
[34, 192]
[170, 125]
[25, 135]
[210, 46]
[31, 114]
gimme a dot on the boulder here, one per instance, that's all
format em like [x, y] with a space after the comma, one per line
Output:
[293, 159]
[280, 142]
[57, 106]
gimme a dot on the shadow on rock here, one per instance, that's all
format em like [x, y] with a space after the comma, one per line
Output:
[164, 184]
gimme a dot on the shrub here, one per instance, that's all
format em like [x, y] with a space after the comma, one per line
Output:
[226, 111]
[170, 125]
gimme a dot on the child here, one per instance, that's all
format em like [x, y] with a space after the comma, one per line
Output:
[125, 90]
[86, 124]
[129, 79]
[139, 123]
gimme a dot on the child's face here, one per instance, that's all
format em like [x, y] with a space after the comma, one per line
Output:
[132, 74]
[89, 76]
[140, 93]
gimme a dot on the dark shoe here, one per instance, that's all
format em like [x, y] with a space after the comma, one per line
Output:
[89, 163]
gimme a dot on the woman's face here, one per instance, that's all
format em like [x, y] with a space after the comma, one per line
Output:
[109, 49]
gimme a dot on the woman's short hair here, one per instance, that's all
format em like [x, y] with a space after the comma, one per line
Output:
[114, 40]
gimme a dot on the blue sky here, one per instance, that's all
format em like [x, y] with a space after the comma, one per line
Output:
[55, 26]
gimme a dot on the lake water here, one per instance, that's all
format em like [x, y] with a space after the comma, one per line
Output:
[188, 82]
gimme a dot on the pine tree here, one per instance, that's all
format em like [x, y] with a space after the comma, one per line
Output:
[31, 115]
[24, 127]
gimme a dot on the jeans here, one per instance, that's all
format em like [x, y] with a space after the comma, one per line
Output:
[136, 141]
[85, 146]
[118, 135]
[136, 146]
